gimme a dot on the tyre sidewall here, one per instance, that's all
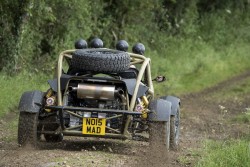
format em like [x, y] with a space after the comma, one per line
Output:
[27, 129]
[175, 130]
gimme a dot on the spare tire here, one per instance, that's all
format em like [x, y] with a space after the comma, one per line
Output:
[100, 60]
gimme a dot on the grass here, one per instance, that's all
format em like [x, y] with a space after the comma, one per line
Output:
[238, 90]
[190, 65]
[229, 153]
[13, 87]
[189, 158]
[242, 118]
[188, 69]
[195, 65]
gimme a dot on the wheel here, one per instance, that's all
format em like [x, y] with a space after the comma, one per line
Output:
[175, 130]
[27, 129]
[53, 138]
[100, 60]
[159, 135]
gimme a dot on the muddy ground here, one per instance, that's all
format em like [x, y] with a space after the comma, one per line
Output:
[203, 116]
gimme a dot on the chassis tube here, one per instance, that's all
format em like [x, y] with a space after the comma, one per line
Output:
[59, 73]
[150, 83]
[138, 80]
[132, 102]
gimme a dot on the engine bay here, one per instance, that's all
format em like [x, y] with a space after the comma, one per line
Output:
[95, 94]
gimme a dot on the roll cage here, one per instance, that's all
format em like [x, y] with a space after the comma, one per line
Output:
[144, 71]
[144, 75]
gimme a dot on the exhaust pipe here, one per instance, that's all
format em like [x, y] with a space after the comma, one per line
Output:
[94, 91]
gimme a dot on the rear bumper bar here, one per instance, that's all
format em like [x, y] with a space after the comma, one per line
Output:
[63, 108]
[70, 131]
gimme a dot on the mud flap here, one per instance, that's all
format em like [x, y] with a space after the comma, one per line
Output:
[31, 101]
[174, 101]
[160, 110]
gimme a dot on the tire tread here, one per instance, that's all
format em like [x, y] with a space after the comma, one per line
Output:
[100, 60]
[27, 129]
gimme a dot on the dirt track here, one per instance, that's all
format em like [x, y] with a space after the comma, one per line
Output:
[202, 117]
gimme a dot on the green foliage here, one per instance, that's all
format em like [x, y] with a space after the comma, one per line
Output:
[44, 38]
[228, 153]
[34, 32]
[194, 43]
[13, 87]
[12, 14]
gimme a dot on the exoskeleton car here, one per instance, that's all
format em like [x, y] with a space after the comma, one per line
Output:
[100, 92]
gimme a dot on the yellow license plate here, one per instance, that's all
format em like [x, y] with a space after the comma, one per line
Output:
[93, 126]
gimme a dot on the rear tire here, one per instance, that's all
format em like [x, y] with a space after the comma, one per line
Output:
[175, 130]
[159, 135]
[27, 129]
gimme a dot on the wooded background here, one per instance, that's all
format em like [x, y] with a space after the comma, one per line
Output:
[33, 32]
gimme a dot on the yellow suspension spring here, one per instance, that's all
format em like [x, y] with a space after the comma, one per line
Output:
[144, 104]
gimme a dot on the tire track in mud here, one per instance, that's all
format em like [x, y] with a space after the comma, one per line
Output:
[201, 118]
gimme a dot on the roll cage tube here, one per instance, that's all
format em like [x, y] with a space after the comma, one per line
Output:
[134, 59]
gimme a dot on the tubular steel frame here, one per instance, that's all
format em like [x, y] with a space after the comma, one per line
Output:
[144, 71]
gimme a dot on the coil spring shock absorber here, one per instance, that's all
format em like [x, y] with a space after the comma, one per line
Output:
[142, 106]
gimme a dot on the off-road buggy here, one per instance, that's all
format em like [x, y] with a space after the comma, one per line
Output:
[102, 93]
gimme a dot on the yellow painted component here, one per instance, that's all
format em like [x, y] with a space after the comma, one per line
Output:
[94, 126]
[48, 110]
[49, 93]
[144, 114]
[145, 101]
[144, 104]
